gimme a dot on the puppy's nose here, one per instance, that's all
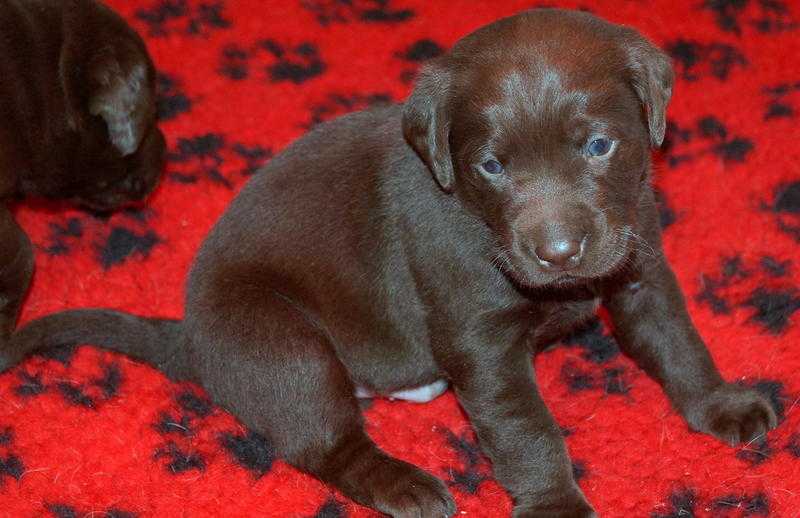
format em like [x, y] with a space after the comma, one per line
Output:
[560, 254]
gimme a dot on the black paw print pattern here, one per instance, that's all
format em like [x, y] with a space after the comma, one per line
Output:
[189, 17]
[184, 426]
[598, 367]
[113, 238]
[596, 344]
[786, 207]
[331, 509]
[91, 393]
[763, 16]
[171, 101]
[782, 100]
[11, 466]
[123, 242]
[250, 450]
[474, 469]
[178, 426]
[62, 510]
[685, 502]
[772, 298]
[695, 60]
[681, 503]
[61, 234]
[279, 62]
[329, 12]
[611, 380]
[708, 135]
[210, 156]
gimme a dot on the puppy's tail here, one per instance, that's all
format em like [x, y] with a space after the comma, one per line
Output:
[152, 340]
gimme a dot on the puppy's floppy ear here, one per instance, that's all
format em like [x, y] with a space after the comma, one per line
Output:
[426, 123]
[120, 95]
[652, 78]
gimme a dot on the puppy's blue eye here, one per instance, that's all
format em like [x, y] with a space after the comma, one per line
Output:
[599, 146]
[492, 167]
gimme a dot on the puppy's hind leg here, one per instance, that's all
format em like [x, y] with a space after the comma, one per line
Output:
[277, 372]
[16, 269]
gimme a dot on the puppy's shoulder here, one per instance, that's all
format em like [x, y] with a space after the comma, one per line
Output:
[348, 139]
[380, 123]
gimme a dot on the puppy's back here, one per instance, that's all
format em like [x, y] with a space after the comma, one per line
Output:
[319, 211]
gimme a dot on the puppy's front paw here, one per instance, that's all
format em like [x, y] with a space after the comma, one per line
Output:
[555, 513]
[731, 413]
[566, 507]
[411, 493]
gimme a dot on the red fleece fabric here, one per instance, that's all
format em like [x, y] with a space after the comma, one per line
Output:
[86, 432]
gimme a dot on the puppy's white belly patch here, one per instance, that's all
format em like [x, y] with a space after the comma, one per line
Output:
[421, 394]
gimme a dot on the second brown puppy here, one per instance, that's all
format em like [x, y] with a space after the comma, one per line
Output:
[444, 241]
[77, 120]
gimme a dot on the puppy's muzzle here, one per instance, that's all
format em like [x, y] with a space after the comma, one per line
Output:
[555, 246]
[560, 254]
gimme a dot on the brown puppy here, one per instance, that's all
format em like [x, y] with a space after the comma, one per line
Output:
[77, 120]
[347, 268]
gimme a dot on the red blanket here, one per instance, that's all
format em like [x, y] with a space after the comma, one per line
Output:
[85, 432]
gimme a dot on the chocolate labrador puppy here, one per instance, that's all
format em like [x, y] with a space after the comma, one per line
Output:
[395, 250]
[77, 120]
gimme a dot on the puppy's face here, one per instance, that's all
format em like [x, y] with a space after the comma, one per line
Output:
[554, 164]
[542, 125]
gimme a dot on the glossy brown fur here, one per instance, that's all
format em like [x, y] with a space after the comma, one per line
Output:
[77, 120]
[359, 257]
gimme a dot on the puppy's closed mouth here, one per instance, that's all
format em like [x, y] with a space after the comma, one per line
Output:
[521, 276]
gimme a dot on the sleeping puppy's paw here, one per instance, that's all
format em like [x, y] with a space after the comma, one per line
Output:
[731, 413]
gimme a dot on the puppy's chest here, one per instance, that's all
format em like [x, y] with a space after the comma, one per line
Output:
[551, 321]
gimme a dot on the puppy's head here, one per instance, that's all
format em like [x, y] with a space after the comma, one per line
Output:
[542, 124]
[111, 106]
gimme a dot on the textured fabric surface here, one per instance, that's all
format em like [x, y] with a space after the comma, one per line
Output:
[89, 433]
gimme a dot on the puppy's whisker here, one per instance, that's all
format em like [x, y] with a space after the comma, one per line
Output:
[641, 244]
